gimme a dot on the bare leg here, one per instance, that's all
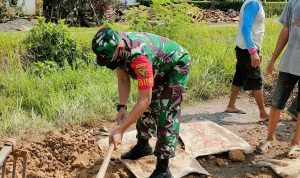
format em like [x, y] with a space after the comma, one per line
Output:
[296, 138]
[258, 96]
[234, 93]
[273, 121]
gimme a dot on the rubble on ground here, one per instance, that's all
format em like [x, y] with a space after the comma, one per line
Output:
[236, 155]
[215, 16]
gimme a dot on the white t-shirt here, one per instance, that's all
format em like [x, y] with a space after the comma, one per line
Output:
[290, 60]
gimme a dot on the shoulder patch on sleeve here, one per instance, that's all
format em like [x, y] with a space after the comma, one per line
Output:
[143, 69]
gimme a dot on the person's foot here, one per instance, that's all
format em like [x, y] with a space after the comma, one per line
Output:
[264, 146]
[234, 110]
[264, 118]
[162, 169]
[158, 174]
[141, 149]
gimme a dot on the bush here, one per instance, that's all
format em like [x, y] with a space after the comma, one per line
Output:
[162, 17]
[77, 12]
[2, 11]
[274, 8]
[52, 42]
[43, 68]
[271, 8]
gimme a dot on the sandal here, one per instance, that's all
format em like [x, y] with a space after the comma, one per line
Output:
[264, 146]
[263, 121]
[294, 152]
[236, 111]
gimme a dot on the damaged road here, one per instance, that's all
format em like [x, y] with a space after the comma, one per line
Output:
[73, 151]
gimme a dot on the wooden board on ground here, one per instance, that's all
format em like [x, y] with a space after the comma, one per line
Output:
[287, 168]
[180, 166]
[205, 138]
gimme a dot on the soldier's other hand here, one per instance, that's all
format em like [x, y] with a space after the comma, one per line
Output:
[255, 60]
[270, 69]
[122, 115]
[116, 137]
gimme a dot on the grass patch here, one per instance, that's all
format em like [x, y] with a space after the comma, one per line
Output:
[67, 96]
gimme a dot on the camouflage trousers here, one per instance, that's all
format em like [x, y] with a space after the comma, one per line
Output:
[162, 119]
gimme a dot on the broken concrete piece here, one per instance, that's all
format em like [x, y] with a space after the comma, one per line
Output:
[181, 165]
[103, 129]
[204, 137]
[82, 161]
[221, 162]
[287, 168]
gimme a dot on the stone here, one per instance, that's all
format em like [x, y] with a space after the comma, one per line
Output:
[95, 155]
[83, 175]
[118, 161]
[112, 163]
[264, 176]
[112, 175]
[211, 157]
[264, 170]
[18, 175]
[95, 169]
[35, 174]
[221, 162]
[123, 174]
[81, 161]
[59, 174]
[103, 129]
[236, 155]
[74, 155]
[249, 175]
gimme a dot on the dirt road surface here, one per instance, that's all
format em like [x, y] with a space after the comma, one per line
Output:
[72, 151]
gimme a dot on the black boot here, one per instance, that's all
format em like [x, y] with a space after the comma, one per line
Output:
[162, 169]
[141, 149]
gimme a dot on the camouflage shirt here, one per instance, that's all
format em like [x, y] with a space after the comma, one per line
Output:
[166, 56]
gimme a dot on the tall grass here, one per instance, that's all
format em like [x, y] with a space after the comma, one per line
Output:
[29, 104]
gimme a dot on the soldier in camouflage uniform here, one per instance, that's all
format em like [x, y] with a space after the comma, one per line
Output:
[160, 67]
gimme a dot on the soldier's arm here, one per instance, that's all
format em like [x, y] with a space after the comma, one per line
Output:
[123, 85]
[139, 108]
[143, 70]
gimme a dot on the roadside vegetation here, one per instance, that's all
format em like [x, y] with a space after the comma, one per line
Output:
[40, 91]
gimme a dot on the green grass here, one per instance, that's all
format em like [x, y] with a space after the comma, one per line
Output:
[30, 104]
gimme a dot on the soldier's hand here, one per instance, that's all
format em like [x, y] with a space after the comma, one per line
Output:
[255, 60]
[122, 115]
[116, 137]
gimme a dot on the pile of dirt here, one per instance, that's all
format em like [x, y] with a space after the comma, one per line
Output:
[215, 16]
[69, 153]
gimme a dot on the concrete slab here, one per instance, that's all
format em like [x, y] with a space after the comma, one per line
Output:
[199, 138]
[181, 165]
[205, 138]
[287, 168]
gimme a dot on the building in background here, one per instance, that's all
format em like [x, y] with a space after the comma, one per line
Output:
[24, 7]
[128, 2]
